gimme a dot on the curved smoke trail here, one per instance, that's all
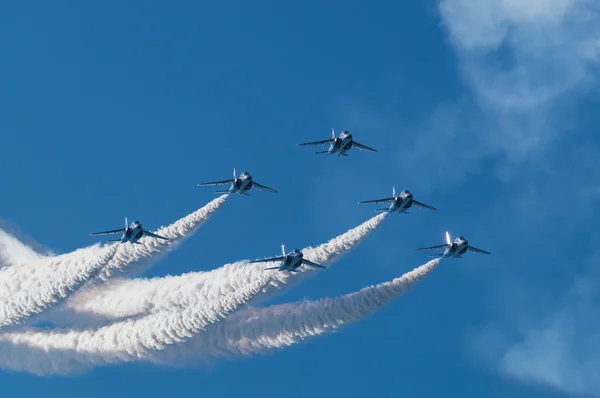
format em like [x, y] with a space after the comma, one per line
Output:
[154, 338]
[261, 330]
[30, 288]
[131, 259]
[13, 251]
[120, 298]
[128, 255]
[69, 351]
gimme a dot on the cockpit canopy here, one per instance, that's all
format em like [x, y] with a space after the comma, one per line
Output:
[245, 174]
[462, 238]
[345, 134]
[136, 223]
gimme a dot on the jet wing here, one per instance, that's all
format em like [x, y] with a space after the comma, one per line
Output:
[324, 142]
[432, 247]
[423, 205]
[362, 147]
[112, 231]
[476, 250]
[267, 260]
[260, 186]
[377, 201]
[224, 182]
[312, 264]
[154, 235]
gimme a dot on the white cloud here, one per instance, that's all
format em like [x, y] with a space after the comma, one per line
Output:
[564, 350]
[527, 63]
[522, 61]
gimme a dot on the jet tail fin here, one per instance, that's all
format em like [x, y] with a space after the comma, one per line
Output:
[333, 134]
[448, 241]
[283, 250]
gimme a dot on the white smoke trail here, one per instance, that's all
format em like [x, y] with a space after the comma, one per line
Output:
[261, 330]
[120, 298]
[31, 287]
[174, 338]
[132, 259]
[129, 258]
[68, 351]
[13, 251]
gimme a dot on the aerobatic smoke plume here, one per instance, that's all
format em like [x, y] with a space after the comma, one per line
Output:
[13, 251]
[161, 338]
[261, 330]
[129, 258]
[121, 298]
[31, 287]
[71, 351]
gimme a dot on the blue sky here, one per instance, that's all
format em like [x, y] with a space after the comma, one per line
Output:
[486, 110]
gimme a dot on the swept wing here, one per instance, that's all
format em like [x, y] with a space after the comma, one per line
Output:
[264, 188]
[324, 142]
[423, 205]
[154, 235]
[307, 262]
[112, 231]
[268, 260]
[224, 182]
[377, 200]
[476, 250]
[362, 147]
[432, 247]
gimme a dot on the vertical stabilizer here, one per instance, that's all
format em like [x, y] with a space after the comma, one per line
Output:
[448, 241]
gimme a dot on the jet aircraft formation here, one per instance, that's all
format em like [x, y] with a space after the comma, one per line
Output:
[339, 146]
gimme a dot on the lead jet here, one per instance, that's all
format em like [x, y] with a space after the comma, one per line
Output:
[399, 203]
[339, 145]
[131, 233]
[290, 262]
[240, 185]
[454, 249]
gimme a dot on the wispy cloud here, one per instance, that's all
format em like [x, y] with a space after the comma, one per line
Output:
[523, 63]
[526, 65]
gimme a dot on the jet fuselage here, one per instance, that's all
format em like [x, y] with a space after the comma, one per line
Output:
[341, 144]
[456, 248]
[241, 184]
[133, 233]
[292, 261]
[401, 202]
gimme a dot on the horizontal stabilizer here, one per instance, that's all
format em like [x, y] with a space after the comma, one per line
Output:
[115, 240]
[270, 268]
[223, 191]
[386, 209]
[436, 255]
[321, 152]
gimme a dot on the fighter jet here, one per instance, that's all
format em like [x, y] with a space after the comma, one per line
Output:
[339, 145]
[131, 233]
[454, 249]
[400, 202]
[240, 185]
[290, 262]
